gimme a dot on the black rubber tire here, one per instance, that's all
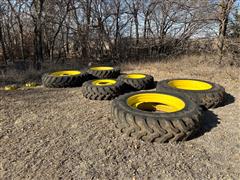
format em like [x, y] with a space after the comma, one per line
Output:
[157, 127]
[104, 74]
[51, 81]
[94, 92]
[138, 84]
[211, 98]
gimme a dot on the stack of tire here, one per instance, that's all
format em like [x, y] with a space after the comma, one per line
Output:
[108, 84]
[173, 112]
[103, 85]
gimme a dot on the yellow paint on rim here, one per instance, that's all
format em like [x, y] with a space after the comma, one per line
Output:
[101, 68]
[31, 84]
[104, 82]
[10, 87]
[66, 73]
[186, 84]
[156, 102]
[135, 76]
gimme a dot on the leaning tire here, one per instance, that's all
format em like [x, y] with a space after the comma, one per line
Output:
[157, 126]
[104, 72]
[103, 89]
[62, 79]
[138, 81]
[204, 93]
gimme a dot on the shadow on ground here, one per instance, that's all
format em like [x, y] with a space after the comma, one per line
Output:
[228, 99]
[210, 121]
[155, 84]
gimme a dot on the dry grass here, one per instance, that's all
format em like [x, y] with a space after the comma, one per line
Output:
[196, 66]
[185, 67]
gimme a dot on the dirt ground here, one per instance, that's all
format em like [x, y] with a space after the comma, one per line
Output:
[58, 134]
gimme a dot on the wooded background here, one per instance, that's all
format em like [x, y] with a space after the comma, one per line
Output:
[37, 31]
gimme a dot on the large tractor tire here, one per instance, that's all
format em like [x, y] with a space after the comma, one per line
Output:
[103, 89]
[157, 116]
[204, 93]
[138, 81]
[103, 72]
[62, 79]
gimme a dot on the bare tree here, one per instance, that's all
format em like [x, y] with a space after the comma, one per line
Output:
[36, 11]
[61, 10]
[53, 30]
[16, 9]
[133, 9]
[2, 41]
[148, 8]
[225, 8]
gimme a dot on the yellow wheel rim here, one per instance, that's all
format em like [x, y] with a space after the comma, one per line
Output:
[156, 102]
[66, 73]
[31, 84]
[190, 85]
[10, 87]
[104, 82]
[101, 68]
[136, 76]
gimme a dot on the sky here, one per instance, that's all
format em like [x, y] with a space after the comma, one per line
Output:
[238, 4]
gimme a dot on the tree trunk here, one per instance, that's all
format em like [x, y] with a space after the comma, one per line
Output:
[136, 29]
[38, 38]
[85, 38]
[21, 41]
[225, 8]
[145, 27]
[10, 45]
[130, 33]
[38, 47]
[117, 33]
[67, 41]
[3, 44]
[222, 36]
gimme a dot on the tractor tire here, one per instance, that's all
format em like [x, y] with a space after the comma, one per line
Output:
[157, 126]
[63, 79]
[107, 91]
[210, 97]
[138, 81]
[103, 72]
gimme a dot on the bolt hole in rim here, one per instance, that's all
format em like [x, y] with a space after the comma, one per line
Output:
[156, 102]
[135, 76]
[194, 85]
[104, 82]
[66, 73]
[101, 68]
